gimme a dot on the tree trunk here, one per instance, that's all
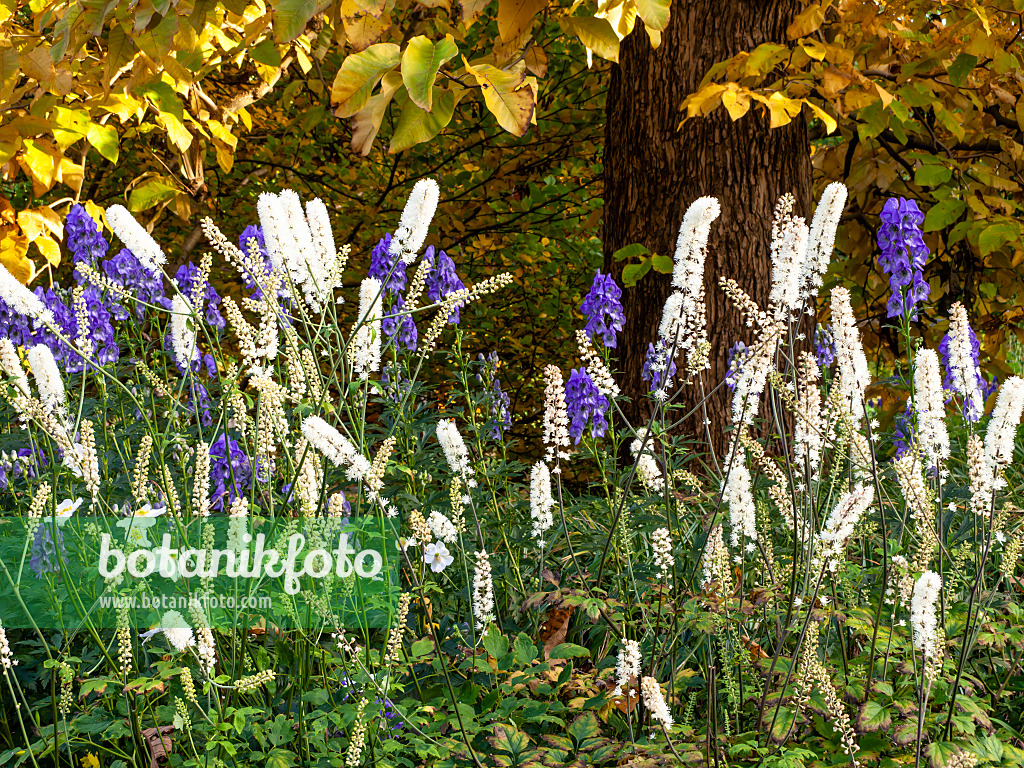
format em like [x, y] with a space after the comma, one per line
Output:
[652, 172]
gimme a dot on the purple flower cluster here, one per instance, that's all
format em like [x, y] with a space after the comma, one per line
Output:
[585, 404]
[387, 267]
[24, 461]
[47, 554]
[127, 272]
[442, 279]
[738, 353]
[497, 399]
[653, 370]
[825, 346]
[199, 402]
[186, 279]
[99, 329]
[84, 239]
[603, 308]
[904, 255]
[903, 431]
[230, 472]
[395, 383]
[947, 381]
[400, 326]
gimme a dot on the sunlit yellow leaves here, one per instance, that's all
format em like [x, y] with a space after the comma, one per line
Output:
[825, 117]
[471, 10]
[359, 75]
[290, 17]
[40, 161]
[655, 13]
[806, 22]
[516, 16]
[366, 122]
[736, 101]
[13, 244]
[508, 95]
[151, 192]
[704, 101]
[420, 63]
[596, 34]
[782, 109]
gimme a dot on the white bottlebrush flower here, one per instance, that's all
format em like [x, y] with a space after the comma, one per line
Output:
[965, 375]
[627, 666]
[455, 451]
[661, 546]
[7, 660]
[11, 365]
[442, 528]
[48, 379]
[323, 237]
[788, 253]
[415, 221]
[483, 591]
[136, 238]
[364, 346]
[840, 524]
[1002, 429]
[822, 238]
[21, 299]
[541, 500]
[647, 468]
[176, 630]
[336, 447]
[436, 555]
[854, 376]
[183, 333]
[274, 224]
[310, 269]
[692, 245]
[929, 402]
[737, 492]
[922, 612]
[556, 419]
[654, 700]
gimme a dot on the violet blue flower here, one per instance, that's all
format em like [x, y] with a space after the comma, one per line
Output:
[230, 472]
[442, 279]
[903, 256]
[654, 368]
[84, 239]
[186, 278]
[387, 267]
[903, 431]
[585, 404]
[603, 308]
[400, 326]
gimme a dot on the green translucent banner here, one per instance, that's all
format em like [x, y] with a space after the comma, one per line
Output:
[221, 572]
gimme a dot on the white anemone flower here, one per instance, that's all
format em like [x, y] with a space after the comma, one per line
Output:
[436, 555]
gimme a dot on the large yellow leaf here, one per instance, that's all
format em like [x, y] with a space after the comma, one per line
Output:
[40, 163]
[806, 22]
[782, 109]
[826, 118]
[596, 34]
[471, 10]
[359, 75]
[507, 95]
[13, 244]
[516, 16]
[366, 122]
[362, 29]
[420, 64]
[655, 13]
[36, 222]
[736, 101]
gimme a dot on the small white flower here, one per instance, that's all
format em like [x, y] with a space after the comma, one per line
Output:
[823, 600]
[177, 630]
[798, 601]
[66, 509]
[1000, 537]
[437, 557]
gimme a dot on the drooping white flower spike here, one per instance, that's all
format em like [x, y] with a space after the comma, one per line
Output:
[136, 238]
[415, 221]
[821, 239]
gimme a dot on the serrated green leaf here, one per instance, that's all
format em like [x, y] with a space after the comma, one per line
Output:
[280, 758]
[526, 649]
[496, 643]
[873, 717]
[420, 64]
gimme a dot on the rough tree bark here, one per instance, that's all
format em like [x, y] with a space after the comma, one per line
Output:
[652, 172]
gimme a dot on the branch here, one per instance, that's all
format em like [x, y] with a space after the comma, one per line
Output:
[243, 100]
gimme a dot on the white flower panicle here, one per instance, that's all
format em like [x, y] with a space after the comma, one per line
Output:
[183, 332]
[654, 700]
[48, 379]
[647, 468]
[541, 500]
[929, 402]
[922, 612]
[556, 419]
[715, 560]
[738, 493]
[310, 267]
[455, 451]
[809, 431]
[364, 347]
[176, 630]
[11, 365]
[853, 363]
[7, 660]
[483, 591]
[821, 239]
[964, 368]
[274, 225]
[598, 371]
[21, 299]
[687, 311]
[788, 253]
[336, 447]
[661, 546]
[1002, 429]
[840, 524]
[752, 378]
[415, 221]
[136, 238]
[627, 666]
[442, 528]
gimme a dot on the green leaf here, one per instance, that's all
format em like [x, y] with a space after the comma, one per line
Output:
[632, 273]
[783, 723]
[526, 650]
[629, 251]
[317, 697]
[280, 758]
[104, 139]
[943, 213]
[584, 727]
[420, 64]
[932, 174]
[507, 738]
[290, 18]
[873, 717]
[281, 732]
[655, 13]
[569, 651]
[151, 192]
[595, 33]
[266, 53]
[422, 647]
[961, 67]
[995, 235]
[416, 125]
[663, 264]
[359, 75]
[496, 643]
[164, 99]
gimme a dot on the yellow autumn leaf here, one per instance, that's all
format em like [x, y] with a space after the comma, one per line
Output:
[825, 117]
[736, 101]
[782, 109]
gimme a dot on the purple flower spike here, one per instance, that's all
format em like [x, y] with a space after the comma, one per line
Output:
[603, 307]
[654, 368]
[904, 255]
[585, 404]
[230, 472]
[400, 326]
[387, 267]
[84, 239]
[442, 279]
